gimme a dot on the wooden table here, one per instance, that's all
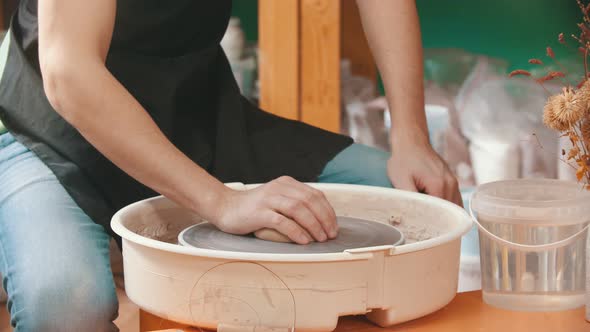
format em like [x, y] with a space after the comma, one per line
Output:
[466, 312]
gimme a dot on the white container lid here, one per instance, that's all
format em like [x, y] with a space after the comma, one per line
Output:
[536, 201]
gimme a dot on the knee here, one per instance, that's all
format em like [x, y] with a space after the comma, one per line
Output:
[374, 171]
[71, 304]
[379, 178]
[358, 164]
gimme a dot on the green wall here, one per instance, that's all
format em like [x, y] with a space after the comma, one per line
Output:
[247, 11]
[515, 30]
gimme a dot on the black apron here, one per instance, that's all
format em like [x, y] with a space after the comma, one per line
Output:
[167, 55]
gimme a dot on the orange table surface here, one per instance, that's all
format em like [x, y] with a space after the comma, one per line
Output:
[467, 312]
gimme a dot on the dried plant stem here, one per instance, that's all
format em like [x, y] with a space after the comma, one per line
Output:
[584, 10]
[581, 146]
[561, 66]
[567, 112]
[578, 132]
[538, 141]
[568, 163]
[586, 63]
[544, 88]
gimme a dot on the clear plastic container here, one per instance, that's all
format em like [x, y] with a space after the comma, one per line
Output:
[532, 236]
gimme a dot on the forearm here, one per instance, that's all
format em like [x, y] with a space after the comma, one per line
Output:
[116, 124]
[393, 32]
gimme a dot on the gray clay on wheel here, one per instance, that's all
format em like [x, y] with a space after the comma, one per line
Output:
[354, 233]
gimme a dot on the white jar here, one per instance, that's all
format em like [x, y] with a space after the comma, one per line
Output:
[494, 159]
[233, 41]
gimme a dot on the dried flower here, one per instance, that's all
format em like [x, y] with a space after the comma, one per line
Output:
[569, 111]
[573, 154]
[582, 169]
[585, 129]
[581, 100]
[585, 31]
[581, 172]
[550, 76]
[573, 137]
[559, 113]
[519, 72]
[551, 120]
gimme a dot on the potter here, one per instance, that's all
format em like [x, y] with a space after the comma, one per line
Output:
[107, 102]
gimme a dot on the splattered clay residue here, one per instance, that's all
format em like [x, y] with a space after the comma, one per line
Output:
[412, 232]
[414, 220]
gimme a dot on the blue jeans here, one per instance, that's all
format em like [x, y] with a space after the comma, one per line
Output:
[55, 260]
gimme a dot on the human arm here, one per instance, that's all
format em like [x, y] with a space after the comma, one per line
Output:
[74, 39]
[393, 32]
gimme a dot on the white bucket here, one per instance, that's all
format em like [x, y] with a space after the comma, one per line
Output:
[532, 236]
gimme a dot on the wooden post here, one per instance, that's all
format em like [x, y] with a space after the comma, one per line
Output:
[320, 63]
[279, 57]
[301, 44]
[354, 44]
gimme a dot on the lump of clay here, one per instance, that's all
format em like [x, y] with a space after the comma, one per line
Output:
[269, 234]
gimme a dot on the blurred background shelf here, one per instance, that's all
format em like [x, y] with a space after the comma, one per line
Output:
[301, 43]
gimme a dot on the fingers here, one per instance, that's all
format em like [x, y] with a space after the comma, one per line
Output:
[444, 186]
[406, 183]
[435, 186]
[305, 205]
[452, 193]
[400, 176]
[315, 201]
[297, 211]
[289, 227]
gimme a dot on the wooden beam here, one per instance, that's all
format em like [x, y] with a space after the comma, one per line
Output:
[320, 63]
[279, 76]
[354, 43]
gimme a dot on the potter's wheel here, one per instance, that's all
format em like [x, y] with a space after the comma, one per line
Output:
[353, 233]
[241, 290]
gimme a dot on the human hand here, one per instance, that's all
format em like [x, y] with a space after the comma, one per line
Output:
[417, 167]
[285, 205]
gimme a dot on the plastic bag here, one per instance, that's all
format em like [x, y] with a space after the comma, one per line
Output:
[446, 71]
[448, 68]
[363, 120]
[502, 119]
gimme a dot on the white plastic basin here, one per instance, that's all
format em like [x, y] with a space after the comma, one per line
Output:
[234, 291]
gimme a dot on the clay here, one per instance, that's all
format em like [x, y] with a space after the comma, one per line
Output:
[353, 233]
[269, 234]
